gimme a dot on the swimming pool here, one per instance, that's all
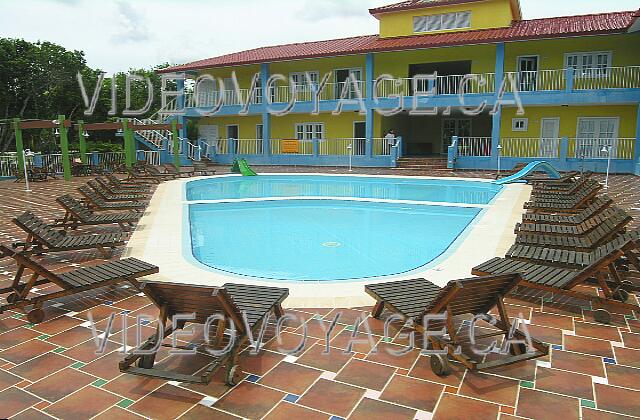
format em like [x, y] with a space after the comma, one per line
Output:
[327, 228]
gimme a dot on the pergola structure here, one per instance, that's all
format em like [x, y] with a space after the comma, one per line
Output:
[64, 125]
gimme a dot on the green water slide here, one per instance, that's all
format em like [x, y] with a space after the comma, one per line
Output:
[241, 166]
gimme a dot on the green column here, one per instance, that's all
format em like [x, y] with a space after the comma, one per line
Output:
[83, 142]
[19, 145]
[129, 157]
[64, 145]
[176, 144]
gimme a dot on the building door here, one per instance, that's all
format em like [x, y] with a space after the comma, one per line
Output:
[210, 135]
[595, 134]
[454, 127]
[341, 78]
[360, 137]
[549, 133]
[527, 73]
[233, 132]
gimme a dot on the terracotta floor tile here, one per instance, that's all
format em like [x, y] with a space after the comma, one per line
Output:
[291, 378]
[54, 387]
[524, 371]
[216, 387]
[99, 313]
[166, 402]
[72, 337]
[631, 340]
[546, 334]
[627, 357]
[422, 370]
[261, 363]
[7, 380]
[580, 363]
[85, 403]
[290, 342]
[133, 303]
[14, 400]
[133, 387]
[365, 374]
[414, 393]
[623, 376]
[603, 332]
[567, 383]
[41, 366]
[262, 400]
[370, 409]
[544, 405]
[319, 329]
[117, 413]
[383, 356]
[332, 397]
[9, 323]
[587, 345]
[201, 412]
[31, 414]
[285, 410]
[87, 352]
[457, 407]
[105, 367]
[57, 325]
[360, 343]
[490, 388]
[592, 414]
[618, 400]
[334, 361]
[17, 336]
[25, 351]
[552, 320]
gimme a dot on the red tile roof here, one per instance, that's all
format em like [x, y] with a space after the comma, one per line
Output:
[557, 27]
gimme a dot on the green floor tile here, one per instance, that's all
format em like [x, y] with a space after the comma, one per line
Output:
[588, 403]
[526, 384]
[78, 365]
[59, 350]
[18, 316]
[125, 403]
[99, 382]
[43, 337]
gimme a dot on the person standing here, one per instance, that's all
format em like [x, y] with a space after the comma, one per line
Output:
[391, 138]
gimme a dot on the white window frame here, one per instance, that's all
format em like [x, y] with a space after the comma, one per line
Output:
[309, 131]
[435, 23]
[515, 122]
[588, 72]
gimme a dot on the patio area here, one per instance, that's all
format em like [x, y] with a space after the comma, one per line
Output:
[50, 370]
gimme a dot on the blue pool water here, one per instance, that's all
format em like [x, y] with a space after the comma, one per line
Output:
[433, 190]
[322, 239]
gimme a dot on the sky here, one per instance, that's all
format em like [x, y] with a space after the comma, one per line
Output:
[117, 35]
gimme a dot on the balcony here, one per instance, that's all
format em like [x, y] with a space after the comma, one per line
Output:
[576, 80]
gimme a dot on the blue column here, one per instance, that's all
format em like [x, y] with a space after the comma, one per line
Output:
[369, 82]
[266, 117]
[570, 76]
[497, 118]
[637, 148]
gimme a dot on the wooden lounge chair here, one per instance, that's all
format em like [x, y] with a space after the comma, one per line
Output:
[413, 299]
[571, 204]
[127, 186]
[141, 177]
[600, 204]
[603, 232]
[71, 283]
[203, 302]
[589, 187]
[155, 172]
[78, 215]
[96, 203]
[562, 280]
[107, 196]
[629, 243]
[203, 169]
[607, 217]
[43, 238]
[572, 188]
[562, 184]
[106, 185]
[187, 171]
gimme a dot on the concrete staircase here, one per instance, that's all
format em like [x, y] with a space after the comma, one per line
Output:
[423, 164]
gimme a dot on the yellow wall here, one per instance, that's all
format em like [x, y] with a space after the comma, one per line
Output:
[486, 14]
[246, 124]
[551, 52]
[321, 65]
[397, 63]
[335, 126]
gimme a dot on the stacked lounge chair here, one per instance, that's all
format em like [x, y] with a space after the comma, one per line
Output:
[78, 215]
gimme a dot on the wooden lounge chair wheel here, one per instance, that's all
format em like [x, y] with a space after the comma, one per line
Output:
[517, 348]
[35, 316]
[602, 316]
[147, 361]
[233, 375]
[440, 364]
[13, 298]
[628, 285]
[621, 295]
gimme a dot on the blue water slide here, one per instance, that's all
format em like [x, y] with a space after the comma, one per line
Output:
[537, 166]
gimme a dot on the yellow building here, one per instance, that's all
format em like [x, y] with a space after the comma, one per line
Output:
[565, 89]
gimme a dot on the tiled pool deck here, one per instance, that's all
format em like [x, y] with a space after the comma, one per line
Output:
[51, 370]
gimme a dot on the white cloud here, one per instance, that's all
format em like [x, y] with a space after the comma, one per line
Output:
[119, 34]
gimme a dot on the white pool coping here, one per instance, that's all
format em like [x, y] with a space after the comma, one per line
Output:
[158, 239]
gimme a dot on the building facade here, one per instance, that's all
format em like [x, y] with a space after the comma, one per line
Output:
[469, 80]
